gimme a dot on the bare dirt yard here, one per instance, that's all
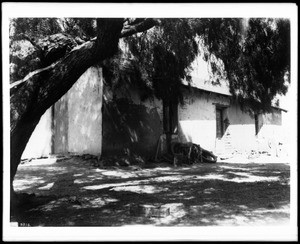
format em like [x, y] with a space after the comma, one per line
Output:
[74, 192]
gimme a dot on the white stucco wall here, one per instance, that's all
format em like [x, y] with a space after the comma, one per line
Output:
[77, 121]
[197, 118]
[39, 144]
[272, 133]
[84, 113]
[241, 129]
[287, 127]
[197, 123]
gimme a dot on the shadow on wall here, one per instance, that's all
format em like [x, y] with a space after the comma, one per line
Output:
[129, 127]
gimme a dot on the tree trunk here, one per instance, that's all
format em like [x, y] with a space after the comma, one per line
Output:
[30, 98]
[18, 141]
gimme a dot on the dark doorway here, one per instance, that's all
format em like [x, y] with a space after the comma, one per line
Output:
[170, 121]
[219, 121]
[170, 117]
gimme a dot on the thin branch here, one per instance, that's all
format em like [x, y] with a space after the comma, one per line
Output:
[31, 74]
[147, 24]
[135, 21]
[86, 45]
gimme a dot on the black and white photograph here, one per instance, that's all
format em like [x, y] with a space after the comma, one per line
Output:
[149, 122]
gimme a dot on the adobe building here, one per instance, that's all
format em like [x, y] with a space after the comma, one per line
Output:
[90, 119]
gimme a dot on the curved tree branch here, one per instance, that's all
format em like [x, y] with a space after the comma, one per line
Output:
[32, 96]
[43, 88]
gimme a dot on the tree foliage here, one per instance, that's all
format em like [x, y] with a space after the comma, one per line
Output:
[37, 42]
[256, 56]
[63, 59]
[161, 59]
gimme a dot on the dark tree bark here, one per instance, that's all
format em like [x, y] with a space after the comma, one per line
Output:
[32, 96]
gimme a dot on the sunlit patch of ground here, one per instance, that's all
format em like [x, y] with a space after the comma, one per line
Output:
[28, 182]
[240, 177]
[197, 195]
[140, 189]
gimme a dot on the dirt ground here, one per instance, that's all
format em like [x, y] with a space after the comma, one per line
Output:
[75, 192]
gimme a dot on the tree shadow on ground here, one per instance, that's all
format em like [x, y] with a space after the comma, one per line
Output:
[197, 195]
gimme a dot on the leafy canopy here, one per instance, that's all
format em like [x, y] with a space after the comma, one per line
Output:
[30, 38]
[255, 54]
[256, 57]
[157, 60]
